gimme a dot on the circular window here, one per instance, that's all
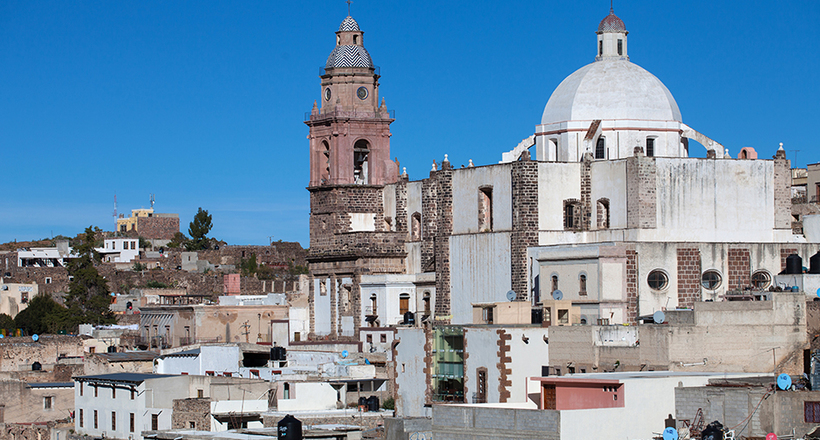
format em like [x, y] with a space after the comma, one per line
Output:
[361, 93]
[327, 94]
[657, 279]
[761, 280]
[710, 280]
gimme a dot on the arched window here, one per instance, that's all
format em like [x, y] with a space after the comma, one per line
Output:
[415, 227]
[572, 214]
[602, 215]
[650, 147]
[554, 282]
[361, 152]
[554, 148]
[600, 148]
[325, 177]
[620, 46]
[582, 284]
[355, 39]
[373, 309]
[426, 299]
[485, 209]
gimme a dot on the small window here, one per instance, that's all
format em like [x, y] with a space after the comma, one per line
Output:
[650, 147]
[82, 419]
[48, 402]
[582, 285]
[96, 391]
[113, 420]
[369, 338]
[600, 148]
[485, 209]
[96, 424]
[710, 279]
[761, 280]
[811, 411]
[132, 393]
[383, 338]
[554, 283]
[113, 392]
[48, 280]
[415, 227]
[191, 425]
[286, 393]
[657, 280]
[487, 315]
[154, 422]
[200, 393]
[131, 424]
[572, 214]
[600, 47]
[23, 297]
[602, 219]
[81, 389]
[620, 46]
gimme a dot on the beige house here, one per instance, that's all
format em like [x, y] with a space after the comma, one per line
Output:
[14, 297]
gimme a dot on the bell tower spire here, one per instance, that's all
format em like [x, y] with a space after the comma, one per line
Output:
[611, 37]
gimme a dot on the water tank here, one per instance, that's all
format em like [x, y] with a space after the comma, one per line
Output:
[713, 431]
[794, 264]
[814, 263]
[36, 366]
[278, 353]
[363, 401]
[373, 403]
[289, 428]
[409, 318]
[112, 348]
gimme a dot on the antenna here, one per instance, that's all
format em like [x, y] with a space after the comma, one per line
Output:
[115, 212]
[795, 157]
[348, 6]
[152, 201]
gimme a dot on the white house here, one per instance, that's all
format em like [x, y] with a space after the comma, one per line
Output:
[120, 250]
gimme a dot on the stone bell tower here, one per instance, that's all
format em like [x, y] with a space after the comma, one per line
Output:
[350, 235]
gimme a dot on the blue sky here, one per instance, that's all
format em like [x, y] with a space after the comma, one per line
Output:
[202, 103]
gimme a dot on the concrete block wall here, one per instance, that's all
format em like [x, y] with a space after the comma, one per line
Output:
[461, 422]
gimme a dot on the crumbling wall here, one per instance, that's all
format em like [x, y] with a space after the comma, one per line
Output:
[193, 413]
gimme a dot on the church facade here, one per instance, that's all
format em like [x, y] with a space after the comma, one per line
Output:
[602, 206]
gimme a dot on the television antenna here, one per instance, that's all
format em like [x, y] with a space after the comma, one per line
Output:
[115, 212]
[152, 201]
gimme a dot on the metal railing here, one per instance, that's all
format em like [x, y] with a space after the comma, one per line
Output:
[351, 114]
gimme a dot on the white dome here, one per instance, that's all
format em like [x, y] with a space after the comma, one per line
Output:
[611, 90]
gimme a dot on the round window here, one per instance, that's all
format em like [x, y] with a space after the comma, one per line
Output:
[327, 94]
[361, 93]
[761, 280]
[657, 279]
[710, 279]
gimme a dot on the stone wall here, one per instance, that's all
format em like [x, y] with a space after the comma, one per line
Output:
[452, 422]
[688, 276]
[524, 222]
[21, 404]
[193, 414]
[641, 202]
[18, 354]
[444, 229]
[159, 228]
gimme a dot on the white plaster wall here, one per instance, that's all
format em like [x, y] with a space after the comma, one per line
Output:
[527, 359]
[410, 378]
[466, 184]
[298, 322]
[480, 272]
[178, 365]
[389, 204]
[569, 272]
[308, 396]
[714, 200]
[648, 401]
[414, 203]
[220, 358]
[556, 183]
[413, 260]
[481, 351]
[321, 307]
[105, 404]
[609, 181]
[362, 222]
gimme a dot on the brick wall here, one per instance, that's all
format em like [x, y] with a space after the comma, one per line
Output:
[504, 381]
[631, 286]
[429, 218]
[401, 205]
[586, 191]
[688, 276]
[525, 222]
[196, 411]
[444, 190]
[739, 267]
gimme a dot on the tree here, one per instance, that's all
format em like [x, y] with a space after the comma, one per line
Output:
[198, 229]
[44, 315]
[6, 322]
[88, 296]
[249, 266]
[178, 240]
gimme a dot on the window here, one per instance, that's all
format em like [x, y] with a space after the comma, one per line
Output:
[761, 280]
[286, 391]
[131, 423]
[113, 420]
[48, 280]
[191, 425]
[154, 422]
[600, 47]
[23, 297]
[600, 148]
[811, 411]
[369, 338]
[297, 336]
[620, 46]
[96, 391]
[113, 392]
[82, 419]
[710, 279]
[487, 315]
[602, 216]
[572, 214]
[404, 303]
[92, 350]
[383, 338]
[650, 147]
[209, 373]
[554, 283]
[582, 285]
[81, 388]
[657, 279]
[200, 393]
[415, 227]
[227, 374]
[96, 425]
[361, 150]
[48, 402]
[481, 386]
[485, 209]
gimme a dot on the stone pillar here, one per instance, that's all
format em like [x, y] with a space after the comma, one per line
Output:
[641, 182]
[429, 219]
[444, 190]
[524, 222]
[782, 192]
[689, 288]
[401, 205]
[586, 192]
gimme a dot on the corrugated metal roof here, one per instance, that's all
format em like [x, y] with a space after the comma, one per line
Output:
[194, 353]
[121, 377]
[51, 385]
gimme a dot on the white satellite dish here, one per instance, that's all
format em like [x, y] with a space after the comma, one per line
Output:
[557, 295]
[511, 295]
[659, 317]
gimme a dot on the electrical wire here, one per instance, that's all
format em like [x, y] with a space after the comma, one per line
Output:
[748, 418]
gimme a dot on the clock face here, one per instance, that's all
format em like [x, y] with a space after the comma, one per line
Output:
[361, 93]
[327, 94]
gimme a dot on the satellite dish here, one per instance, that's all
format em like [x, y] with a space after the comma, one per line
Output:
[2, 336]
[658, 317]
[511, 295]
[670, 434]
[818, 292]
[35, 337]
[784, 381]
[344, 353]
[367, 361]
[557, 295]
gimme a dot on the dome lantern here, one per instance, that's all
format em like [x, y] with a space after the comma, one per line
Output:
[611, 38]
